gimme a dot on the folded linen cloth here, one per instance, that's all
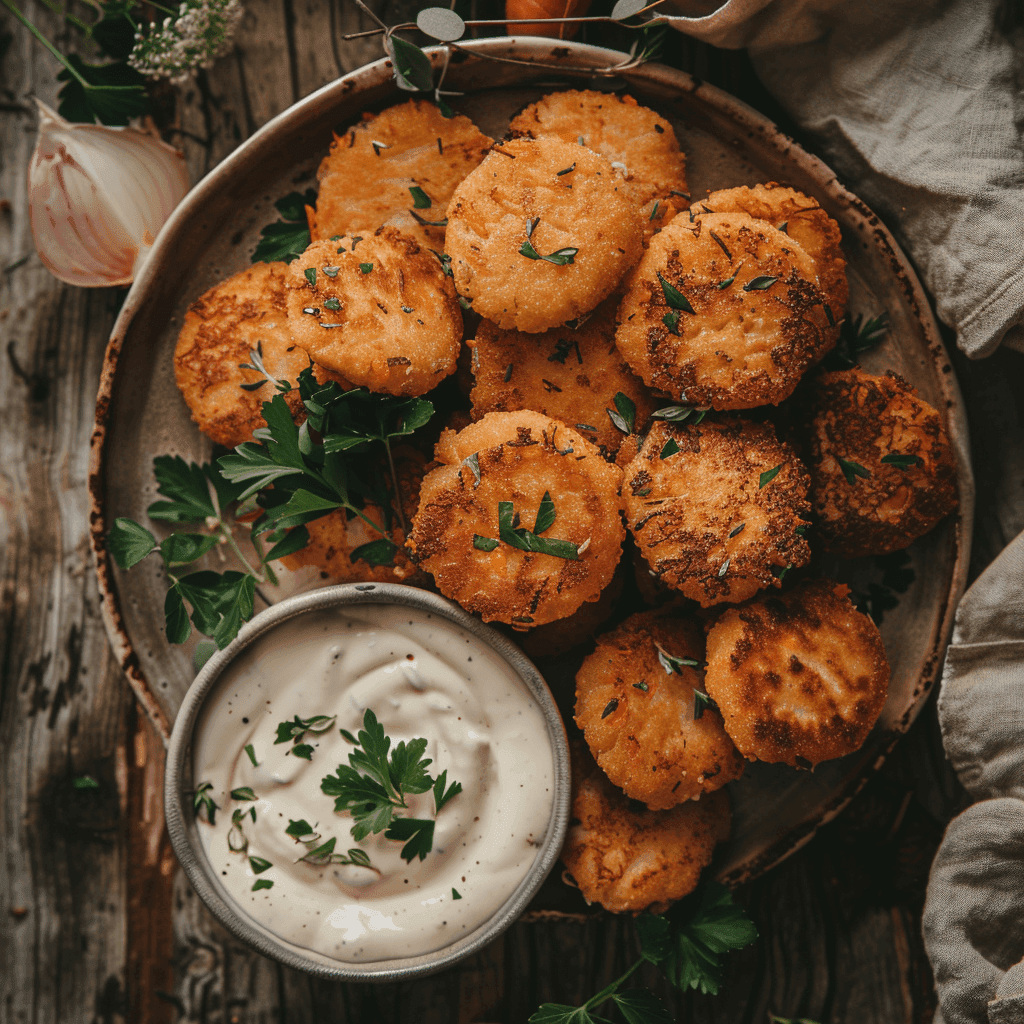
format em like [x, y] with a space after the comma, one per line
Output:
[918, 105]
[974, 911]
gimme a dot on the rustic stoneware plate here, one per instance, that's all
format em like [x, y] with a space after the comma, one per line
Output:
[212, 234]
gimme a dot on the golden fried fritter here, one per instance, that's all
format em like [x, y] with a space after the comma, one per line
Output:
[737, 320]
[492, 481]
[882, 470]
[716, 508]
[636, 140]
[556, 638]
[800, 677]
[628, 858]
[639, 711]
[385, 315]
[335, 538]
[803, 219]
[570, 375]
[554, 197]
[221, 328]
[366, 178]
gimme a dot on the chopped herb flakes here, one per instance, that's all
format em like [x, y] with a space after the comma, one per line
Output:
[366, 267]
[560, 257]
[670, 448]
[420, 199]
[675, 298]
[852, 470]
[759, 284]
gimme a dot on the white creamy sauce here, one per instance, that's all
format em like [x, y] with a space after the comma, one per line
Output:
[422, 676]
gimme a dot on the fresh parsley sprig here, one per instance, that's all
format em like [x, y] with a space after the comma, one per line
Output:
[516, 536]
[687, 944]
[374, 785]
[288, 238]
[294, 731]
[220, 602]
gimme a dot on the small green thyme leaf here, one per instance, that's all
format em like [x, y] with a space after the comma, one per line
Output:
[769, 475]
[759, 284]
[366, 267]
[250, 750]
[456, 895]
[852, 470]
[262, 883]
[259, 864]
[85, 782]
[243, 793]
[420, 199]
[560, 257]
[610, 707]
[674, 297]
[310, 273]
[484, 543]
[902, 461]
[670, 448]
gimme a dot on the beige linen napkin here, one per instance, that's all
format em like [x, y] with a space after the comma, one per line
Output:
[918, 105]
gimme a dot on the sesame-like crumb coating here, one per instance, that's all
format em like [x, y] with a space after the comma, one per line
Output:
[701, 516]
[221, 327]
[380, 312]
[518, 457]
[570, 375]
[639, 716]
[637, 141]
[740, 321]
[859, 420]
[574, 199]
[803, 219]
[800, 677]
[628, 858]
[365, 179]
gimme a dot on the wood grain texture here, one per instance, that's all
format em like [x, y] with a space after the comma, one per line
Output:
[63, 705]
[97, 924]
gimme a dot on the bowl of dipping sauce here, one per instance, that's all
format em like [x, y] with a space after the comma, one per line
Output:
[332, 846]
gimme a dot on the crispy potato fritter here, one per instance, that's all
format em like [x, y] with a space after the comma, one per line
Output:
[636, 140]
[220, 329]
[638, 709]
[717, 509]
[800, 677]
[628, 858]
[382, 312]
[507, 463]
[570, 375]
[882, 471]
[550, 198]
[368, 177]
[724, 311]
[800, 217]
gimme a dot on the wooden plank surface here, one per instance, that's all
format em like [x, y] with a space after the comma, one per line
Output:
[97, 922]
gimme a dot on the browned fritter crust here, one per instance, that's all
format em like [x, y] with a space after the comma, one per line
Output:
[570, 375]
[363, 186]
[220, 329]
[557, 637]
[639, 717]
[860, 418]
[800, 677]
[758, 317]
[702, 508]
[334, 537]
[519, 456]
[581, 203]
[397, 326]
[805, 222]
[628, 858]
[633, 138]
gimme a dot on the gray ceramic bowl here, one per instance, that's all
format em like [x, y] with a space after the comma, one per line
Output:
[178, 785]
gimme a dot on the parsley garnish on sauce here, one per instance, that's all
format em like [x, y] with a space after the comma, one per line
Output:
[374, 785]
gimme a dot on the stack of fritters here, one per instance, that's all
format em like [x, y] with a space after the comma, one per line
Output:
[617, 330]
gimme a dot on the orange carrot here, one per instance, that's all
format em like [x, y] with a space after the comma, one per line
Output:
[545, 9]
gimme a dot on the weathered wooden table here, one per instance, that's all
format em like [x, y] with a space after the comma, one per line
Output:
[96, 921]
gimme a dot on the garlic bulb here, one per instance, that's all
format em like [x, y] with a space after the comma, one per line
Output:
[98, 196]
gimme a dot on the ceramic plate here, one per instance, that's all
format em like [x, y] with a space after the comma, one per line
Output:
[212, 234]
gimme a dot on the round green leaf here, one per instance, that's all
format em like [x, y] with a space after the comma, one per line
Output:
[441, 23]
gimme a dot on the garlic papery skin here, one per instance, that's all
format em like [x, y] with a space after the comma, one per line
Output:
[97, 198]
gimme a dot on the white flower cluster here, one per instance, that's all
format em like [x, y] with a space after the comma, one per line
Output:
[202, 31]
